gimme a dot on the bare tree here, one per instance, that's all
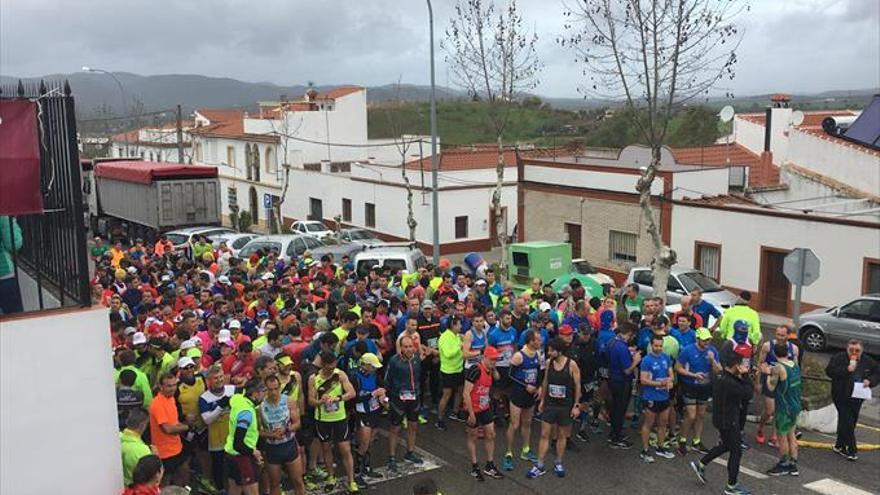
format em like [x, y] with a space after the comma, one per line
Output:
[284, 131]
[492, 55]
[403, 143]
[655, 55]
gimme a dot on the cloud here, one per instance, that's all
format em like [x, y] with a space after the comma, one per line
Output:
[797, 45]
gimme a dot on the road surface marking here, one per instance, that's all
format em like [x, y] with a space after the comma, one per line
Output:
[829, 486]
[744, 470]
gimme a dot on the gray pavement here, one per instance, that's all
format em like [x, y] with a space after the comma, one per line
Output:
[598, 469]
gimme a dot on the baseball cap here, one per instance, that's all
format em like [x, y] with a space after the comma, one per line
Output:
[480, 282]
[428, 304]
[166, 278]
[565, 330]
[741, 326]
[185, 362]
[234, 324]
[223, 279]
[284, 360]
[371, 359]
[139, 338]
[225, 341]
[703, 333]
[268, 276]
[132, 270]
[491, 352]
[187, 344]
[130, 330]
[224, 333]
[119, 273]
[544, 306]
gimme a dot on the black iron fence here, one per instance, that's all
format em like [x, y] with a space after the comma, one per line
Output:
[53, 253]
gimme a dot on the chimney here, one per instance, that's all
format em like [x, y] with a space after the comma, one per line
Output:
[768, 121]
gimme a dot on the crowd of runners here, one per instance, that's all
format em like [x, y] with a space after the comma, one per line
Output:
[254, 375]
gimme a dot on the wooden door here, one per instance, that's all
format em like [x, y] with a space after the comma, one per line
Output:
[775, 288]
[573, 234]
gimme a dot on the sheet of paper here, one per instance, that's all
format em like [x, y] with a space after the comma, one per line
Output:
[860, 391]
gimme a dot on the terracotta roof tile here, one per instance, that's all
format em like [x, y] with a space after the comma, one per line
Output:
[475, 158]
[339, 92]
[216, 115]
[716, 154]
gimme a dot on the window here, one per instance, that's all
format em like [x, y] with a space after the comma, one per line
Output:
[316, 209]
[119, 152]
[271, 166]
[240, 242]
[198, 152]
[312, 243]
[369, 214]
[622, 246]
[230, 156]
[861, 309]
[232, 197]
[707, 259]
[461, 227]
[644, 277]
[871, 276]
[346, 210]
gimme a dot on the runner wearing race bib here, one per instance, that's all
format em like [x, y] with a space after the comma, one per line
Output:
[368, 405]
[478, 404]
[525, 377]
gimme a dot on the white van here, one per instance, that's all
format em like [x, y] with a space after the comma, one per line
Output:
[394, 257]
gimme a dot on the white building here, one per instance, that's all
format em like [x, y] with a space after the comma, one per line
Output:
[735, 215]
[373, 196]
[154, 144]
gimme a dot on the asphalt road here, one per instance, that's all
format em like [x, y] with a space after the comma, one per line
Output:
[598, 469]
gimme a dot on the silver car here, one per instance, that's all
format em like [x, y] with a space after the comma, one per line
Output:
[681, 282]
[833, 327]
[289, 247]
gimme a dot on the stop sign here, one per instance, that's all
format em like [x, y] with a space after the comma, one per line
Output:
[801, 266]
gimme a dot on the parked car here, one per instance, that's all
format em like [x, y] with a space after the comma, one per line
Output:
[338, 249]
[582, 266]
[360, 236]
[681, 282]
[312, 228]
[393, 256]
[289, 246]
[833, 327]
[182, 238]
[234, 241]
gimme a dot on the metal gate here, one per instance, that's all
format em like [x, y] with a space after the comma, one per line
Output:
[53, 251]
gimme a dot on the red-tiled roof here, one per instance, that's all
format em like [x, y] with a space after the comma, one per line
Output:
[232, 127]
[716, 154]
[125, 137]
[475, 158]
[339, 92]
[216, 115]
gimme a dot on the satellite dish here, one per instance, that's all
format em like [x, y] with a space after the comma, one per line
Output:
[797, 118]
[726, 114]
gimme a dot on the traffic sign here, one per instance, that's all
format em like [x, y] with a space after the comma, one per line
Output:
[267, 201]
[801, 266]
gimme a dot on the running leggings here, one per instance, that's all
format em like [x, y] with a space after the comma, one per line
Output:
[620, 395]
[218, 466]
[731, 441]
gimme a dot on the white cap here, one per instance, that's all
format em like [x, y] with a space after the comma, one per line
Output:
[196, 340]
[130, 330]
[544, 306]
[139, 338]
[225, 340]
[224, 334]
[223, 279]
[185, 361]
[234, 324]
[166, 278]
[268, 276]
[187, 344]
[480, 282]
[132, 270]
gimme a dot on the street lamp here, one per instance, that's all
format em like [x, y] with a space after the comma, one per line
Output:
[435, 165]
[86, 68]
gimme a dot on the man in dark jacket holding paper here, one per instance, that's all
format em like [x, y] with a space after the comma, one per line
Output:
[846, 369]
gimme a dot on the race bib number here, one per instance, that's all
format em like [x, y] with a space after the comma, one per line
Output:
[374, 404]
[506, 354]
[407, 395]
[603, 373]
[530, 376]
[331, 407]
[484, 402]
[432, 342]
[556, 391]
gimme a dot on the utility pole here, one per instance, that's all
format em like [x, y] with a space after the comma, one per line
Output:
[179, 135]
[435, 160]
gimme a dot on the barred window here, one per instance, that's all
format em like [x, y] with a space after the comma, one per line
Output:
[622, 246]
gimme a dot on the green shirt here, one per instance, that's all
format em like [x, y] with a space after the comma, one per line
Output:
[98, 251]
[451, 355]
[335, 411]
[133, 448]
[741, 312]
[141, 382]
[239, 404]
[10, 241]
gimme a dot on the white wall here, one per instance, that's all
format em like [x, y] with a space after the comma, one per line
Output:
[391, 200]
[841, 248]
[749, 134]
[709, 182]
[847, 163]
[57, 414]
[606, 181]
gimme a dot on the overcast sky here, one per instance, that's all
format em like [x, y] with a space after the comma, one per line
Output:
[790, 45]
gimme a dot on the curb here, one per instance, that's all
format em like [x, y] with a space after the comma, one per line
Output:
[827, 445]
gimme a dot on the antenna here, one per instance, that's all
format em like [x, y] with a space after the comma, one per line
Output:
[726, 114]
